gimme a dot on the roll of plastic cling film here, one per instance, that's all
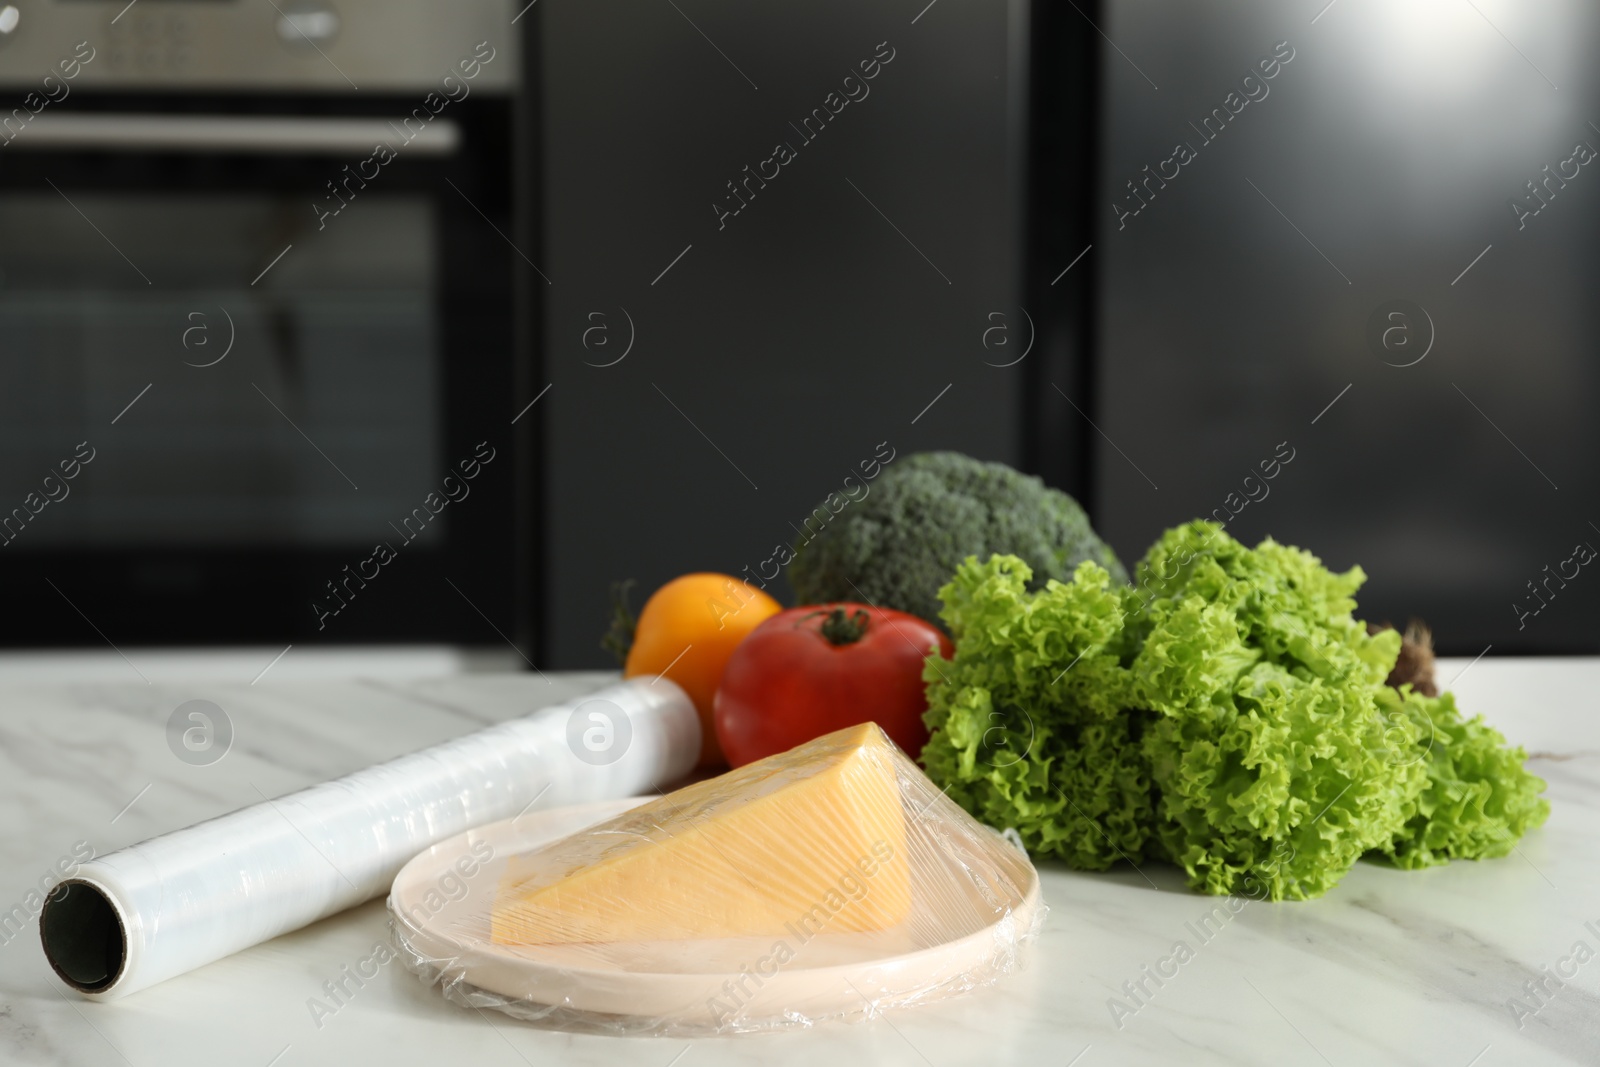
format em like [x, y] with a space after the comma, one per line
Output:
[146, 913]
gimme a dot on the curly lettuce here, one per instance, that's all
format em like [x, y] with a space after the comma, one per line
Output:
[1478, 801]
[1227, 713]
[1022, 740]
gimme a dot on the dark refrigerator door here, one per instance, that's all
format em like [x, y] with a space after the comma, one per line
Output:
[1347, 232]
[845, 306]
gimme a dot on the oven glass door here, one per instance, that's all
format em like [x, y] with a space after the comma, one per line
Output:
[295, 412]
[269, 390]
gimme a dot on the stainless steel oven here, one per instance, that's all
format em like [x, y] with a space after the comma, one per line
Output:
[258, 322]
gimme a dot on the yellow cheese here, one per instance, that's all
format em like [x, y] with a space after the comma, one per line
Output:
[808, 841]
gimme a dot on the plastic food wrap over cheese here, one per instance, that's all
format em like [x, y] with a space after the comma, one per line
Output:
[830, 881]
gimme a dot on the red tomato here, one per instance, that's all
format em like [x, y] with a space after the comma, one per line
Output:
[811, 670]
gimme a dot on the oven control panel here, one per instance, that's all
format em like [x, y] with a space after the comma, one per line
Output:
[243, 45]
[151, 43]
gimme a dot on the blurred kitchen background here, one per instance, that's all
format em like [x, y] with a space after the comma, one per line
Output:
[265, 384]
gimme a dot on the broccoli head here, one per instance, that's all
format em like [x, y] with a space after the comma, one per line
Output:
[905, 538]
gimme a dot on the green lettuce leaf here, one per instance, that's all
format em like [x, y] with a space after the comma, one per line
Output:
[1479, 798]
[1029, 720]
[1226, 712]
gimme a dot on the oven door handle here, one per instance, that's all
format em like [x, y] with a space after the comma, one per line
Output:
[250, 134]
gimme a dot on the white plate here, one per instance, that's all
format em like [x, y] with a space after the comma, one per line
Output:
[713, 986]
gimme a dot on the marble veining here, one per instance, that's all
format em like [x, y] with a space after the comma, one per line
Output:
[1390, 968]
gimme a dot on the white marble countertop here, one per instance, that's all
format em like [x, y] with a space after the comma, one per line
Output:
[1390, 967]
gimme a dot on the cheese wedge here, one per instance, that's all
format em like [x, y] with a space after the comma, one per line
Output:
[809, 841]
